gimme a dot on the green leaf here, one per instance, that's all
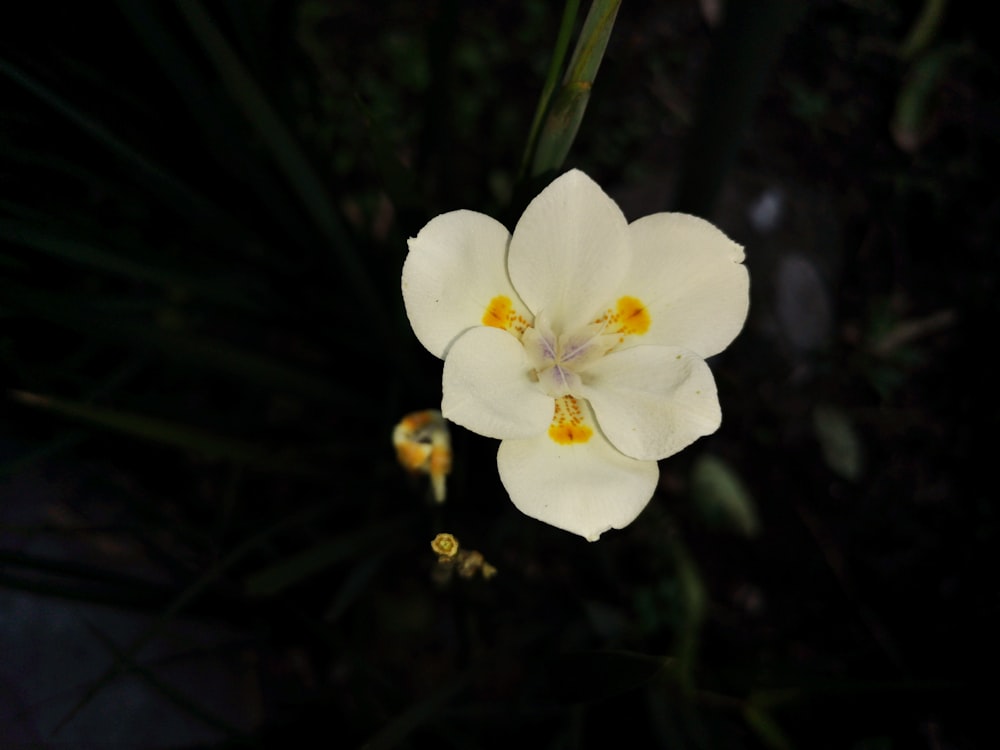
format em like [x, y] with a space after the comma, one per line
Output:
[839, 442]
[281, 575]
[555, 65]
[354, 585]
[184, 599]
[400, 726]
[766, 729]
[178, 698]
[198, 209]
[924, 29]
[287, 155]
[55, 244]
[160, 431]
[78, 314]
[694, 601]
[217, 117]
[913, 115]
[566, 110]
[721, 497]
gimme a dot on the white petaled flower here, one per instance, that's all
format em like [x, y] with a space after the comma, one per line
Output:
[579, 341]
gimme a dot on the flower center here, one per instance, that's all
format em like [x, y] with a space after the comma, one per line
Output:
[558, 361]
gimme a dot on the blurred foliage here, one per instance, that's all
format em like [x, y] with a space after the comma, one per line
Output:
[203, 214]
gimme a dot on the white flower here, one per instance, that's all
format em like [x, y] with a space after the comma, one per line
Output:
[579, 341]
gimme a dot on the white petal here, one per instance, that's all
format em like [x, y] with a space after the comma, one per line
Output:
[652, 401]
[569, 251]
[691, 278]
[584, 488]
[487, 388]
[456, 265]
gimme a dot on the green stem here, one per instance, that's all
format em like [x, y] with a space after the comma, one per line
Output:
[558, 56]
[565, 112]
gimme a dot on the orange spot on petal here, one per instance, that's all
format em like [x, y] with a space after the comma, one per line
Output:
[499, 312]
[567, 434]
[632, 316]
[567, 426]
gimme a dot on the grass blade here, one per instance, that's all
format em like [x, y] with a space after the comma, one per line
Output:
[924, 29]
[397, 729]
[289, 158]
[766, 729]
[186, 598]
[190, 203]
[158, 431]
[180, 699]
[205, 354]
[217, 118]
[288, 572]
[52, 244]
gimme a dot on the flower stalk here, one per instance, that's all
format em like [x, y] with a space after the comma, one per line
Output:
[563, 112]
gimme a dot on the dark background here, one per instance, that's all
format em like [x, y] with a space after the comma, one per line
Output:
[205, 539]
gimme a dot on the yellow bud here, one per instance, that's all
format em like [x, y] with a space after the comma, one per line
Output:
[445, 545]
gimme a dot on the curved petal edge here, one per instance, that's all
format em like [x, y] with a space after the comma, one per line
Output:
[455, 266]
[585, 489]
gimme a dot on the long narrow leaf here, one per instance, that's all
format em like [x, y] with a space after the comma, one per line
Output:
[555, 66]
[158, 431]
[286, 573]
[196, 206]
[184, 599]
[398, 728]
[180, 699]
[54, 244]
[289, 158]
[570, 103]
[217, 118]
[187, 348]
[693, 605]
[766, 728]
